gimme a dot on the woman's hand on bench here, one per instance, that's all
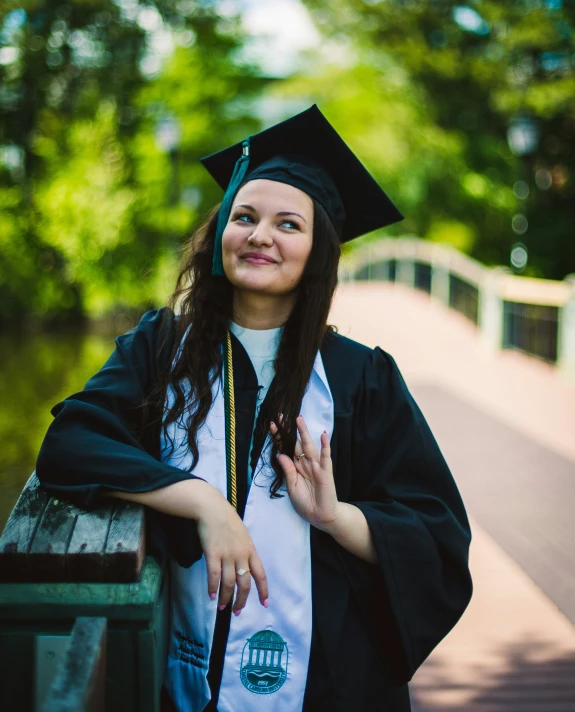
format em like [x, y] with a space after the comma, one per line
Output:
[226, 542]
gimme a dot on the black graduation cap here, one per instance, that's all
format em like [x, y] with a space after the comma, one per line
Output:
[307, 152]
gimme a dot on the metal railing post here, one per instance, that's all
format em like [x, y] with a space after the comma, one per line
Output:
[440, 282]
[386, 271]
[566, 334]
[491, 310]
[405, 269]
[536, 316]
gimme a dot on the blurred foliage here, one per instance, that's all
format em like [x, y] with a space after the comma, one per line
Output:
[427, 91]
[58, 365]
[106, 107]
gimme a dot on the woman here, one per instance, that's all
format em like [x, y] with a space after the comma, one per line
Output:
[267, 446]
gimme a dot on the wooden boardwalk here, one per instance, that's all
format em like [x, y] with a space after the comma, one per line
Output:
[511, 652]
[506, 425]
[520, 492]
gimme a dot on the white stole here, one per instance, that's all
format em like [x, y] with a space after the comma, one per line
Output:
[267, 652]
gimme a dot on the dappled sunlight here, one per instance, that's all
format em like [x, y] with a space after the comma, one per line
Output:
[511, 649]
[529, 674]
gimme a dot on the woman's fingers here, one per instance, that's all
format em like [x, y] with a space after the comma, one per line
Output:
[227, 584]
[307, 443]
[260, 579]
[290, 469]
[214, 566]
[325, 453]
[305, 446]
[223, 575]
[244, 583]
[227, 546]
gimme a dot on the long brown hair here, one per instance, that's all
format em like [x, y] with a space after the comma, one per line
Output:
[204, 303]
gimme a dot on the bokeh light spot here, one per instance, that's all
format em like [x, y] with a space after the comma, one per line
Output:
[519, 224]
[518, 256]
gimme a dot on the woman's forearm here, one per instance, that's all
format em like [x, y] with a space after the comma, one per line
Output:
[351, 530]
[189, 497]
[226, 543]
[182, 499]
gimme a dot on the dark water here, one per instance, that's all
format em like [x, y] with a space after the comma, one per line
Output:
[36, 372]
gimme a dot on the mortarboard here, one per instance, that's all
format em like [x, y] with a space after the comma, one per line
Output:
[307, 152]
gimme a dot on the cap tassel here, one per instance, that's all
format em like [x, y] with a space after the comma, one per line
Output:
[238, 175]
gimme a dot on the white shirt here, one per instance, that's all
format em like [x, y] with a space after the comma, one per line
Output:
[261, 346]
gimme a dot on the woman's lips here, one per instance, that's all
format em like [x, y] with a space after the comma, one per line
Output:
[255, 259]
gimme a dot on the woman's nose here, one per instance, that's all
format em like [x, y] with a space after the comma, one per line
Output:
[261, 235]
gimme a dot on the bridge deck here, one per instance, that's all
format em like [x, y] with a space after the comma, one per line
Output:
[505, 423]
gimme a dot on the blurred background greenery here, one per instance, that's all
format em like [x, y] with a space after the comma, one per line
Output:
[464, 112]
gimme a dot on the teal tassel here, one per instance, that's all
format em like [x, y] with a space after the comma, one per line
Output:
[240, 170]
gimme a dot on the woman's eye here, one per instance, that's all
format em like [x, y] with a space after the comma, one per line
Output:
[243, 217]
[290, 224]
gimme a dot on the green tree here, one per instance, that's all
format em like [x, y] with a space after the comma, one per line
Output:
[92, 206]
[475, 68]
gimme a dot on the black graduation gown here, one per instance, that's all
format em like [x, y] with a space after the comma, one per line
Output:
[373, 624]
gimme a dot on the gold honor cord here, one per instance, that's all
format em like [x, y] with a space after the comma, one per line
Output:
[230, 425]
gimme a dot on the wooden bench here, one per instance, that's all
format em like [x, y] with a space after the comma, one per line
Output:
[49, 539]
[59, 563]
[79, 683]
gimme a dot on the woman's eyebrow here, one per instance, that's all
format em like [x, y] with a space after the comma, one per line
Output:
[289, 212]
[282, 214]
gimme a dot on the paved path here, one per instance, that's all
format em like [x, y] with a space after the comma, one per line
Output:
[511, 652]
[435, 346]
[506, 424]
[520, 492]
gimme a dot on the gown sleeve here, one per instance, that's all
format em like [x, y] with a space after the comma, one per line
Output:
[94, 444]
[416, 517]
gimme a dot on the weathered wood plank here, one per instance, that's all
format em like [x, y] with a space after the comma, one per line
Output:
[19, 531]
[46, 601]
[79, 685]
[49, 539]
[124, 552]
[47, 556]
[85, 560]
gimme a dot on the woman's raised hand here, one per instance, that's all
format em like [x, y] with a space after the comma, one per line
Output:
[309, 478]
[228, 548]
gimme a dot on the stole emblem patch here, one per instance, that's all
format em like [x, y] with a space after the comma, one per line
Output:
[264, 663]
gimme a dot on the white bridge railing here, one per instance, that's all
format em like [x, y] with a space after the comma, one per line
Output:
[533, 315]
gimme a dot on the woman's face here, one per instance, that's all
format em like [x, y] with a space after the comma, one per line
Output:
[268, 238]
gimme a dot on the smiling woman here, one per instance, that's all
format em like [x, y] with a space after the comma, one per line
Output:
[268, 447]
[265, 248]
